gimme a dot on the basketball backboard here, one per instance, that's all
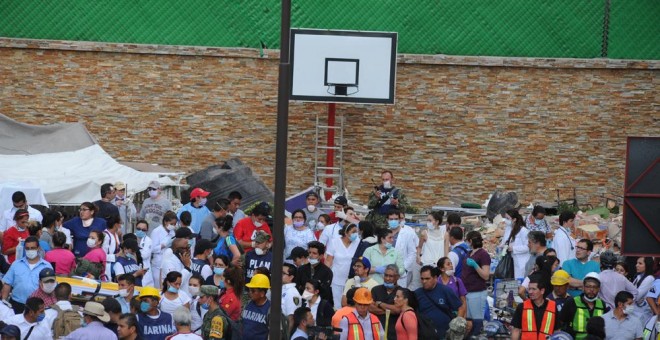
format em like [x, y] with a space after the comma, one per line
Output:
[343, 66]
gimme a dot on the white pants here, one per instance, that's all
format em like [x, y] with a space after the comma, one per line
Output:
[337, 293]
[156, 260]
[414, 281]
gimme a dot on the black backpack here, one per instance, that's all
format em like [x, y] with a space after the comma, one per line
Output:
[425, 327]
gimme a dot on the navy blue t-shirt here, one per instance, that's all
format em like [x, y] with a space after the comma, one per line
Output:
[155, 329]
[442, 296]
[254, 261]
[197, 265]
[255, 321]
[80, 233]
[130, 267]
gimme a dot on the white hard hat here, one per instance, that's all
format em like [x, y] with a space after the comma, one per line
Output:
[592, 275]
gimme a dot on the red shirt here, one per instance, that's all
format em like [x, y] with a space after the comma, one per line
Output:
[10, 240]
[49, 299]
[231, 304]
[245, 230]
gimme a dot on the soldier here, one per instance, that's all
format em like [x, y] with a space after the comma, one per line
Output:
[215, 324]
[383, 198]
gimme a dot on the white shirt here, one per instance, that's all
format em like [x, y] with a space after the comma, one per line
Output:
[434, 246]
[159, 240]
[7, 219]
[314, 307]
[51, 314]
[342, 258]
[6, 312]
[331, 231]
[172, 263]
[520, 253]
[66, 232]
[40, 331]
[564, 245]
[169, 306]
[296, 238]
[145, 250]
[110, 244]
[406, 245]
[197, 318]
[186, 336]
[291, 299]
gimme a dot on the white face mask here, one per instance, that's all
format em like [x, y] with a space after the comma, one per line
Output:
[259, 251]
[311, 208]
[387, 184]
[507, 222]
[215, 231]
[194, 291]
[449, 272]
[203, 202]
[170, 227]
[123, 292]
[629, 309]
[320, 226]
[429, 225]
[258, 224]
[313, 261]
[91, 242]
[307, 295]
[153, 193]
[49, 287]
[31, 254]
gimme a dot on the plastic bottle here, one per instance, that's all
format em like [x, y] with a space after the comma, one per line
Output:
[19, 248]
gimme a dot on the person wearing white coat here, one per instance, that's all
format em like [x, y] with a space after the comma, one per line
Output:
[563, 243]
[145, 244]
[405, 243]
[161, 238]
[517, 243]
[111, 243]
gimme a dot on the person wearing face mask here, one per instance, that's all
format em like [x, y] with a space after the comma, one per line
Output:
[620, 324]
[322, 222]
[433, 241]
[448, 279]
[153, 324]
[384, 198]
[111, 242]
[517, 243]
[298, 234]
[331, 231]
[338, 206]
[315, 270]
[382, 254]
[246, 229]
[535, 221]
[31, 321]
[312, 211]
[322, 310]
[155, 206]
[161, 239]
[563, 243]
[220, 263]
[299, 257]
[23, 276]
[652, 327]
[613, 281]
[227, 244]
[215, 324]
[383, 296]
[200, 263]
[49, 228]
[220, 209]
[339, 257]
[82, 225]
[179, 258]
[196, 311]
[231, 287]
[361, 266]
[96, 254]
[146, 247]
[13, 236]
[127, 261]
[260, 256]
[291, 299]
[197, 208]
[172, 295]
[46, 290]
[60, 227]
[576, 311]
[405, 242]
[126, 284]
[127, 211]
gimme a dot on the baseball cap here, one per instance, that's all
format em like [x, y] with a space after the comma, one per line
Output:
[183, 233]
[341, 200]
[154, 184]
[560, 278]
[11, 330]
[198, 192]
[119, 185]
[365, 261]
[297, 253]
[312, 194]
[46, 273]
[261, 237]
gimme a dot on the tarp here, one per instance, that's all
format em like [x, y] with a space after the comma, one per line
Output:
[64, 161]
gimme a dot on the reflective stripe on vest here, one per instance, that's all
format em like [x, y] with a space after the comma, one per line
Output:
[529, 330]
[355, 331]
[582, 315]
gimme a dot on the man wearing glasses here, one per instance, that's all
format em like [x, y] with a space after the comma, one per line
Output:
[578, 267]
[577, 311]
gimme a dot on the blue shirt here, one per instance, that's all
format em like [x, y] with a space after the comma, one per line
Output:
[198, 215]
[23, 280]
[578, 271]
[223, 247]
[130, 267]
[428, 301]
[155, 329]
[255, 321]
[80, 234]
[254, 261]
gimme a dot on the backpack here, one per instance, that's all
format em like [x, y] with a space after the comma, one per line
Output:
[84, 266]
[235, 327]
[462, 252]
[425, 327]
[66, 322]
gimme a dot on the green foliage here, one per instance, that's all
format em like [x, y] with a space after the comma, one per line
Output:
[565, 207]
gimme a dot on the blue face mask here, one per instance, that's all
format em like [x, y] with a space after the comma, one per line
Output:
[205, 306]
[130, 256]
[140, 234]
[393, 224]
[41, 317]
[388, 285]
[538, 222]
[221, 285]
[353, 237]
[145, 306]
[172, 289]
[218, 271]
[388, 245]
[190, 243]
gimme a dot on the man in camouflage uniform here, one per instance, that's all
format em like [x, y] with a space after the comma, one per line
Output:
[215, 325]
[383, 198]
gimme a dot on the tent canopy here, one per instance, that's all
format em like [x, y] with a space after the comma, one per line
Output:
[65, 161]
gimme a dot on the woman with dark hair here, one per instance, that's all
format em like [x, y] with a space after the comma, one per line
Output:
[406, 325]
[227, 245]
[321, 309]
[96, 254]
[323, 221]
[220, 264]
[161, 239]
[339, 257]
[536, 221]
[447, 278]
[81, 225]
[111, 242]
[196, 311]
[171, 296]
[18, 231]
[126, 261]
[382, 254]
[543, 267]
[49, 227]
[367, 232]
[596, 328]
[298, 234]
[644, 282]
[232, 289]
[62, 259]
[475, 274]
[433, 240]
[517, 243]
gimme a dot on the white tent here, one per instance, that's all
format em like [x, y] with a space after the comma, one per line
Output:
[65, 162]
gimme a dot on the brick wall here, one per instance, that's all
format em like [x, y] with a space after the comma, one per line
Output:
[461, 127]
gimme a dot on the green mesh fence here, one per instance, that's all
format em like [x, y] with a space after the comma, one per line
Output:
[541, 28]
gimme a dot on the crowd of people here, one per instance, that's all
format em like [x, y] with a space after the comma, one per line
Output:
[203, 273]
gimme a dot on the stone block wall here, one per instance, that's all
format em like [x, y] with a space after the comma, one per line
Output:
[461, 127]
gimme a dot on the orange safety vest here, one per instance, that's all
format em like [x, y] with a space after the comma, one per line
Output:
[529, 331]
[355, 331]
